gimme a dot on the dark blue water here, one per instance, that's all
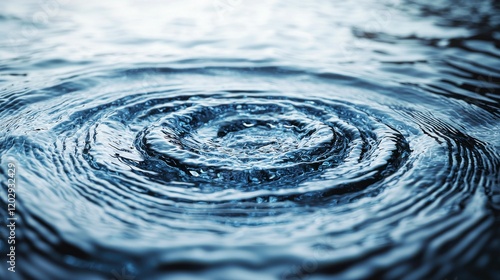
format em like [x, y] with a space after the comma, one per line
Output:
[251, 140]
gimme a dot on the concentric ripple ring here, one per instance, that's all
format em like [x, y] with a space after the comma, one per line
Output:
[169, 168]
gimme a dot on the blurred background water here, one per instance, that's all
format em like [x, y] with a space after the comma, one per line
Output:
[236, 139]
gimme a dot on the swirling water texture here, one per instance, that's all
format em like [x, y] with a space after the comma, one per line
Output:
[226, 140]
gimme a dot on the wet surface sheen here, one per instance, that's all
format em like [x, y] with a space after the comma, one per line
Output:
[276, 140]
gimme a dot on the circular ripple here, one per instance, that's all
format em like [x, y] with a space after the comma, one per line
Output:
[232, 145]
[175, 167]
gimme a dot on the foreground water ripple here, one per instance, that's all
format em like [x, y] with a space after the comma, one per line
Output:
[341, 152]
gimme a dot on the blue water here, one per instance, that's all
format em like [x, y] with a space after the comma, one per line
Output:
[234, 139]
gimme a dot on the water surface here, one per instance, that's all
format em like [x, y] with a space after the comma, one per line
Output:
[252, 140]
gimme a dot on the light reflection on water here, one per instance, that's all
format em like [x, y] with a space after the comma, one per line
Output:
[242, 140]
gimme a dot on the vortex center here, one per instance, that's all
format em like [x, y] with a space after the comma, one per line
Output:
[240, 139]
